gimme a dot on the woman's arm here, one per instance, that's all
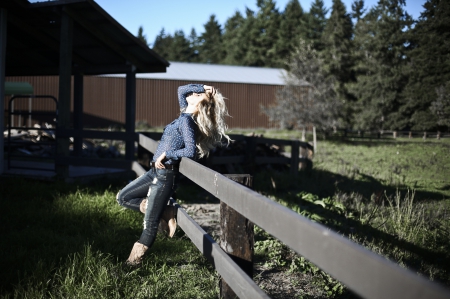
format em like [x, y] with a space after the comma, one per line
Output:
[184, 90]
[188, 129]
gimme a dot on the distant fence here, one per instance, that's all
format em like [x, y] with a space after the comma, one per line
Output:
[389, 134]
[362, 271]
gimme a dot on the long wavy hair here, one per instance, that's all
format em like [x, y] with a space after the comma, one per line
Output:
[210, 119]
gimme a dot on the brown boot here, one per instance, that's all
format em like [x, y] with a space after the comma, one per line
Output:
[168, 222]
[137, 254]
[169, 217]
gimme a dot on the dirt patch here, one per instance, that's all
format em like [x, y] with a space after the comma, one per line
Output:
[277, 283]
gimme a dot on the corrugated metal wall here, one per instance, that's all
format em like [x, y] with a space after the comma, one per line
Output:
[156, 100]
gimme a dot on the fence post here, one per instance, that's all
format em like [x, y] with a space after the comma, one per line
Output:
[237, 238]
[424, 135]
[314, 140]
[295, 152]
[438, 136]
[250, 153]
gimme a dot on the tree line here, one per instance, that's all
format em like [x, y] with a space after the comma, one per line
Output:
[369, 68]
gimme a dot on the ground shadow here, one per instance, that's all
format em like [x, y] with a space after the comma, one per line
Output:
[34, 233]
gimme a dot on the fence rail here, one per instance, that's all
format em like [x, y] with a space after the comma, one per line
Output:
[362, 271]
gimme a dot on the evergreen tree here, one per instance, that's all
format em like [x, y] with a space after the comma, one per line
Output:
[381, 77]
[441, 106]
[231, 39]
[180, 49]
[194, 45]
[141, 36]
[163, 44]
[173, 48]
[429, 69]
[358, 9]
[292, 29]
[260, 35]
[211, 48]
[336, 54]
[316, 22]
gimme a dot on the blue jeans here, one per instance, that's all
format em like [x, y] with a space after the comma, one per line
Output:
[157, 185]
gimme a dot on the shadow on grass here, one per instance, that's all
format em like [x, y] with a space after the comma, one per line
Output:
[34, 229]
[326, 184]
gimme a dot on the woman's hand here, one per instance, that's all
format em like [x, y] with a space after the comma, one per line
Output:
[158, 162]
[209, 89]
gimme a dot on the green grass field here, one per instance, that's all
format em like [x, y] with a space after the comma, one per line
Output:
[69, 241]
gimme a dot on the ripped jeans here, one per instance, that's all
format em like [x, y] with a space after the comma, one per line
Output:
[157, 185]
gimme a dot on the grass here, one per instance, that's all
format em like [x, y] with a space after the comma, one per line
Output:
[69, 241]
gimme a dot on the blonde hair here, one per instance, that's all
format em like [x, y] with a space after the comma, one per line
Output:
[210, 118]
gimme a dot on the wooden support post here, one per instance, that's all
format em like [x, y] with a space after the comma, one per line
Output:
[3, 23]
[237, 238]
[78, 112]
[65, 73]
[250, 153]
[424, 136]
[394, 134]
[130, 112]
[295, 152]
[314, 140]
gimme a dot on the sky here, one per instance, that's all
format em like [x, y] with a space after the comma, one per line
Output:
[172, 15]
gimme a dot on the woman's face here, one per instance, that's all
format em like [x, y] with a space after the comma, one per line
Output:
[195, 98]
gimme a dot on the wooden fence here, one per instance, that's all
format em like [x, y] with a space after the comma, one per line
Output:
[389, 134]
[362, 271]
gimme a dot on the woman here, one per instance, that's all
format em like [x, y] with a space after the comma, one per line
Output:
[199, 128]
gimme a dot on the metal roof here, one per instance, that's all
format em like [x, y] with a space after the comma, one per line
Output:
[100, 44]
[200, 72]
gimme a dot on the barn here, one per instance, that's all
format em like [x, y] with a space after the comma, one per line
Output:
[246, 89]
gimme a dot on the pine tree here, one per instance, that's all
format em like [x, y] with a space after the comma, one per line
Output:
[211, 48]
[248, 41]
[180, 49]
[194, 45]
[141, 36]
[292, 29]
[163, 44]
[429, 69]
[231, 39]
[381, 77]
[316, 22]
[358, 9]
[336, 54]
[260, 34]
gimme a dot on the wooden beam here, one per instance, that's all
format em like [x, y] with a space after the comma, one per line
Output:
[43, 38]
[91, 28]
[78, 111]
[237, 238]
[65, 72]
[3, 35]
[130, 112]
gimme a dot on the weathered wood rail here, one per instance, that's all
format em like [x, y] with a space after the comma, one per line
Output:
[362, 271]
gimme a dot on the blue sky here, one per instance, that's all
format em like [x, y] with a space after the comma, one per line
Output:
[181, 14]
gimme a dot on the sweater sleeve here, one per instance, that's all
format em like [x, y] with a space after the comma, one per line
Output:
[184, 90]
[188, 129]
